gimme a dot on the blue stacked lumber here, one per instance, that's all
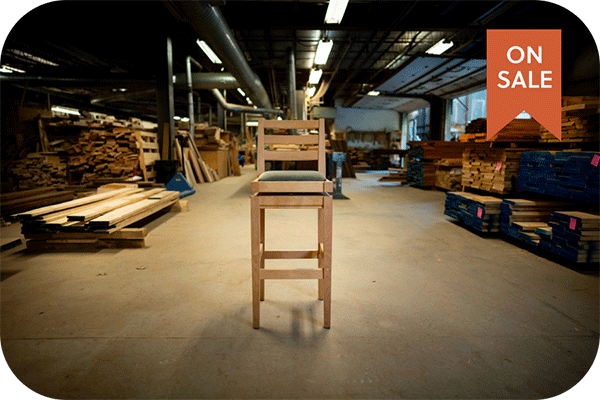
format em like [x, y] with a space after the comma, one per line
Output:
[478, 212]
[564, 174]
[575, 236]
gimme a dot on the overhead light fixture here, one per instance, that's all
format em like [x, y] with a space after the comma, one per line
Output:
[9, 70]
[315, 76]
[208, 51]
[323, 49]
[240, 91]
[440, 47]
[252, 123]
[373, 93]
[311, 91]
[65, 110]
[335, 11]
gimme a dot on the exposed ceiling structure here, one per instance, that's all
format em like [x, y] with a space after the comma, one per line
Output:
[106, 54]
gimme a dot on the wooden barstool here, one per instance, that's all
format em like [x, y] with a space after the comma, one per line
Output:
[291, 190]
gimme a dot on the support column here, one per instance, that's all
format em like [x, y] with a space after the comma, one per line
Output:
[164, 100]
[437, 117]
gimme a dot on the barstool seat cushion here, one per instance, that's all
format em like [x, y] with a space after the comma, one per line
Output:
[287, 176]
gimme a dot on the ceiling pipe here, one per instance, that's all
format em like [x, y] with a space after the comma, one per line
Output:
[207, 80]
[292, 85]
[242, 109]
[208, 22]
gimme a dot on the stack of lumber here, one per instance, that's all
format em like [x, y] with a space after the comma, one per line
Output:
[99, 216]
[564, 174]
[211, 137]
[575, 236]
[39, 170]
[478, 212]
[518, 130]
[395, 175]
[16, 202]
[114, 152]
[521, 218]
[579, 121]
[448, 174]
[422, 158]
[491, 169]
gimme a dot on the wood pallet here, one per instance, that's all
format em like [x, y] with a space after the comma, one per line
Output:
[564, 174]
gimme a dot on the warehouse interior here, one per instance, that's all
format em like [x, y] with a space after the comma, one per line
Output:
[461, 267]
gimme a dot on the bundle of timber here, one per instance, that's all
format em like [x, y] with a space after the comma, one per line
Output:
[517, 130]
[39, 170]
[195, 169]
[113, 208]
[575, 236]
[116, 153]
[521, 218]
[491, 169]
[565, 174]
[395, 175]
[422, 157]
[16, 202]
[448, 173]
[478, 212]
[579, 121]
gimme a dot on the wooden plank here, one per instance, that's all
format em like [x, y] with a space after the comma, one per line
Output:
[127, 212]
[104, 208]
[304, 201]
[291, 124]
[24, 193]
[125, 233]
[290, 274]
[17, 206]
[139, 216]
[195, 164]
[291, 186]
[290, 254]
[291, 155]
[292, 139]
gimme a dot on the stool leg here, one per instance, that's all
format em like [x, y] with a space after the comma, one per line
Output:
[327, 247]
[256, 259]
[262, 259]
[321, 225]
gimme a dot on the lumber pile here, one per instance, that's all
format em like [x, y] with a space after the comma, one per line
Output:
[94, 219]
[448, 174]
[517, 130]
[38, 170]
[16, 202]
[574, 236]
[422, 158]
[395, 175]
[564, 174]
[195, 169]
[491, 169]
[478, 212]
[580, 121]
[521, 218]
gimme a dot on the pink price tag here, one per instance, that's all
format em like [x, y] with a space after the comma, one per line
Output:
[498, 165]
[572, 223]
[479, 212]
[595, 160]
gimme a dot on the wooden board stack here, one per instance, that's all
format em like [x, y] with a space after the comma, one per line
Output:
[518, 130]
[94, 219]
[39, 170]
[575, 236]
[521, 218]
[448, 173]
[563, 174]
[394, 175]
[16, 202]
[491, 169]
[422, 158]
[478, 212]
[579, 121]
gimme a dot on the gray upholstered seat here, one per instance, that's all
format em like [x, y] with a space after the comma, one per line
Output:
[286, 176]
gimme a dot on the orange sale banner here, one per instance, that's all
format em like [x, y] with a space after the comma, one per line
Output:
[523, 74]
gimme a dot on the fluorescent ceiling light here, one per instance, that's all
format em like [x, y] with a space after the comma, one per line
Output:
[176, 118]
[9, 70]
[185, 119]
[373, 93]
[335, 11]
[315, 76]
[439, 47]
[311, 91]
[240, 91]
[208, 51]
[252, 123]
[65, 110]
[323, 49]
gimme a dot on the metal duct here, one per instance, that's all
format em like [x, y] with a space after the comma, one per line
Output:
[240, 108]
[210, 25]
[292, 84]
[208, 80]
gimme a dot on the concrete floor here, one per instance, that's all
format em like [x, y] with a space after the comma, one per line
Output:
[422, 308]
